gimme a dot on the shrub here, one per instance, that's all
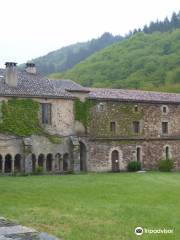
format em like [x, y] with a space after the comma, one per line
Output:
[39, 170]
[166, 165]
[134, 166]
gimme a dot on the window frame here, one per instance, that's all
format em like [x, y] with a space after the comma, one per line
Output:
[165, 126]
[136, 128]
[46, 113]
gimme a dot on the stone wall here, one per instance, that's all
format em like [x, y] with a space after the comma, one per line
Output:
[151, 152]
[150, 117]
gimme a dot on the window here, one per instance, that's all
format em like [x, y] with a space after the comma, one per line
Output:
[164, 109]
[167, 152]
[136, 127]
[136, 108]
[138, 154]
[113, 126]
[46, 113]
[164, 127]
[100, 107]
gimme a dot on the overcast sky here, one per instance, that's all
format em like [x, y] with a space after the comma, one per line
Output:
[33, 28]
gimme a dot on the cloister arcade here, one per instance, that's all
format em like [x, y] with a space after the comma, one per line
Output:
[48, 162]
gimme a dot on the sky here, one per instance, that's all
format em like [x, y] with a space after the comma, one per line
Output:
[33, 28]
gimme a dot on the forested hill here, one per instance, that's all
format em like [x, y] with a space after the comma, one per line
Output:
[143, 61]
[66, 57]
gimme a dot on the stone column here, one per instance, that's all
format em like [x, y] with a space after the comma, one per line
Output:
[12, 164]
[44, 165]
[60, 164]
[76, 158]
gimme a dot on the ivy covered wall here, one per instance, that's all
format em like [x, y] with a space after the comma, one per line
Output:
[121, 113]
[82, 111]
[20, 117]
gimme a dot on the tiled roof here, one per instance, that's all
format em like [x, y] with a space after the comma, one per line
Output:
[31, 85]
[133, 95]
[69, 85]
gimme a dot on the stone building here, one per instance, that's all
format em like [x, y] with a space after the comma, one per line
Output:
[58, 125]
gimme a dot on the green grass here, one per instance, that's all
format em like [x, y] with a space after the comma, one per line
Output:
[94, 206]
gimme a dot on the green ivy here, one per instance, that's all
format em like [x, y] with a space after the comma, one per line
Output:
[82, 111]
[20, 117]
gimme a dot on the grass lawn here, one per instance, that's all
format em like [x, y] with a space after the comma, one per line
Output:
[94, 206]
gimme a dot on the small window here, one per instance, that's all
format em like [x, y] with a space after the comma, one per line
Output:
[167, 153]
[46, 113]
[136, 108]
[100, 107]
[113, 126]
[136, 127]
[138, 154]
[164, 127]
[164, 109]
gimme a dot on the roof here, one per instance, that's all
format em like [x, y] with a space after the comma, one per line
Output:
[133, 95]
[32, 85]
[69, 85]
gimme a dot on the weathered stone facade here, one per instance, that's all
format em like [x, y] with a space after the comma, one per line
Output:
[112, 127]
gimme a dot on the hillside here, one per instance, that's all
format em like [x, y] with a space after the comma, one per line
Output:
[143, 61]
[66, 57]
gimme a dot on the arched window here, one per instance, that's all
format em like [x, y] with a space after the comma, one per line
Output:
[65, 161]
[17, 163]
[167, 152]
[41, 160]
[115, 160]
[138, 154]
[8, 163]
[49, 162]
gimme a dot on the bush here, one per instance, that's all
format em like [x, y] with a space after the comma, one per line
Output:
[39, 170]
[134, 166]
[166, 165]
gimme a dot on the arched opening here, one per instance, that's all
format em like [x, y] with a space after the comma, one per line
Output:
[138, 154]
[33, 162]
[65, 161]
[115, 160]
[1, 163]
[167, 153]
[8, 163]
[17, 163]
[83, 157]
[49, 161]
[41, 160]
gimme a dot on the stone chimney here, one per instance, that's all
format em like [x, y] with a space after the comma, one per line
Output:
[30, 68]
[11, 74]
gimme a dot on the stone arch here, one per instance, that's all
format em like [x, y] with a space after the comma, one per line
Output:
[83, 156]
[66, 162]
[41, 160]
[8, 163]
[18, 163]
[1, 163]
[33, 158]
[49, 162]
[167, 152]
[116, 159]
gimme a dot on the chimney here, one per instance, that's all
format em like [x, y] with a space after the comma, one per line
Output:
[11, 74]
[30, 68]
